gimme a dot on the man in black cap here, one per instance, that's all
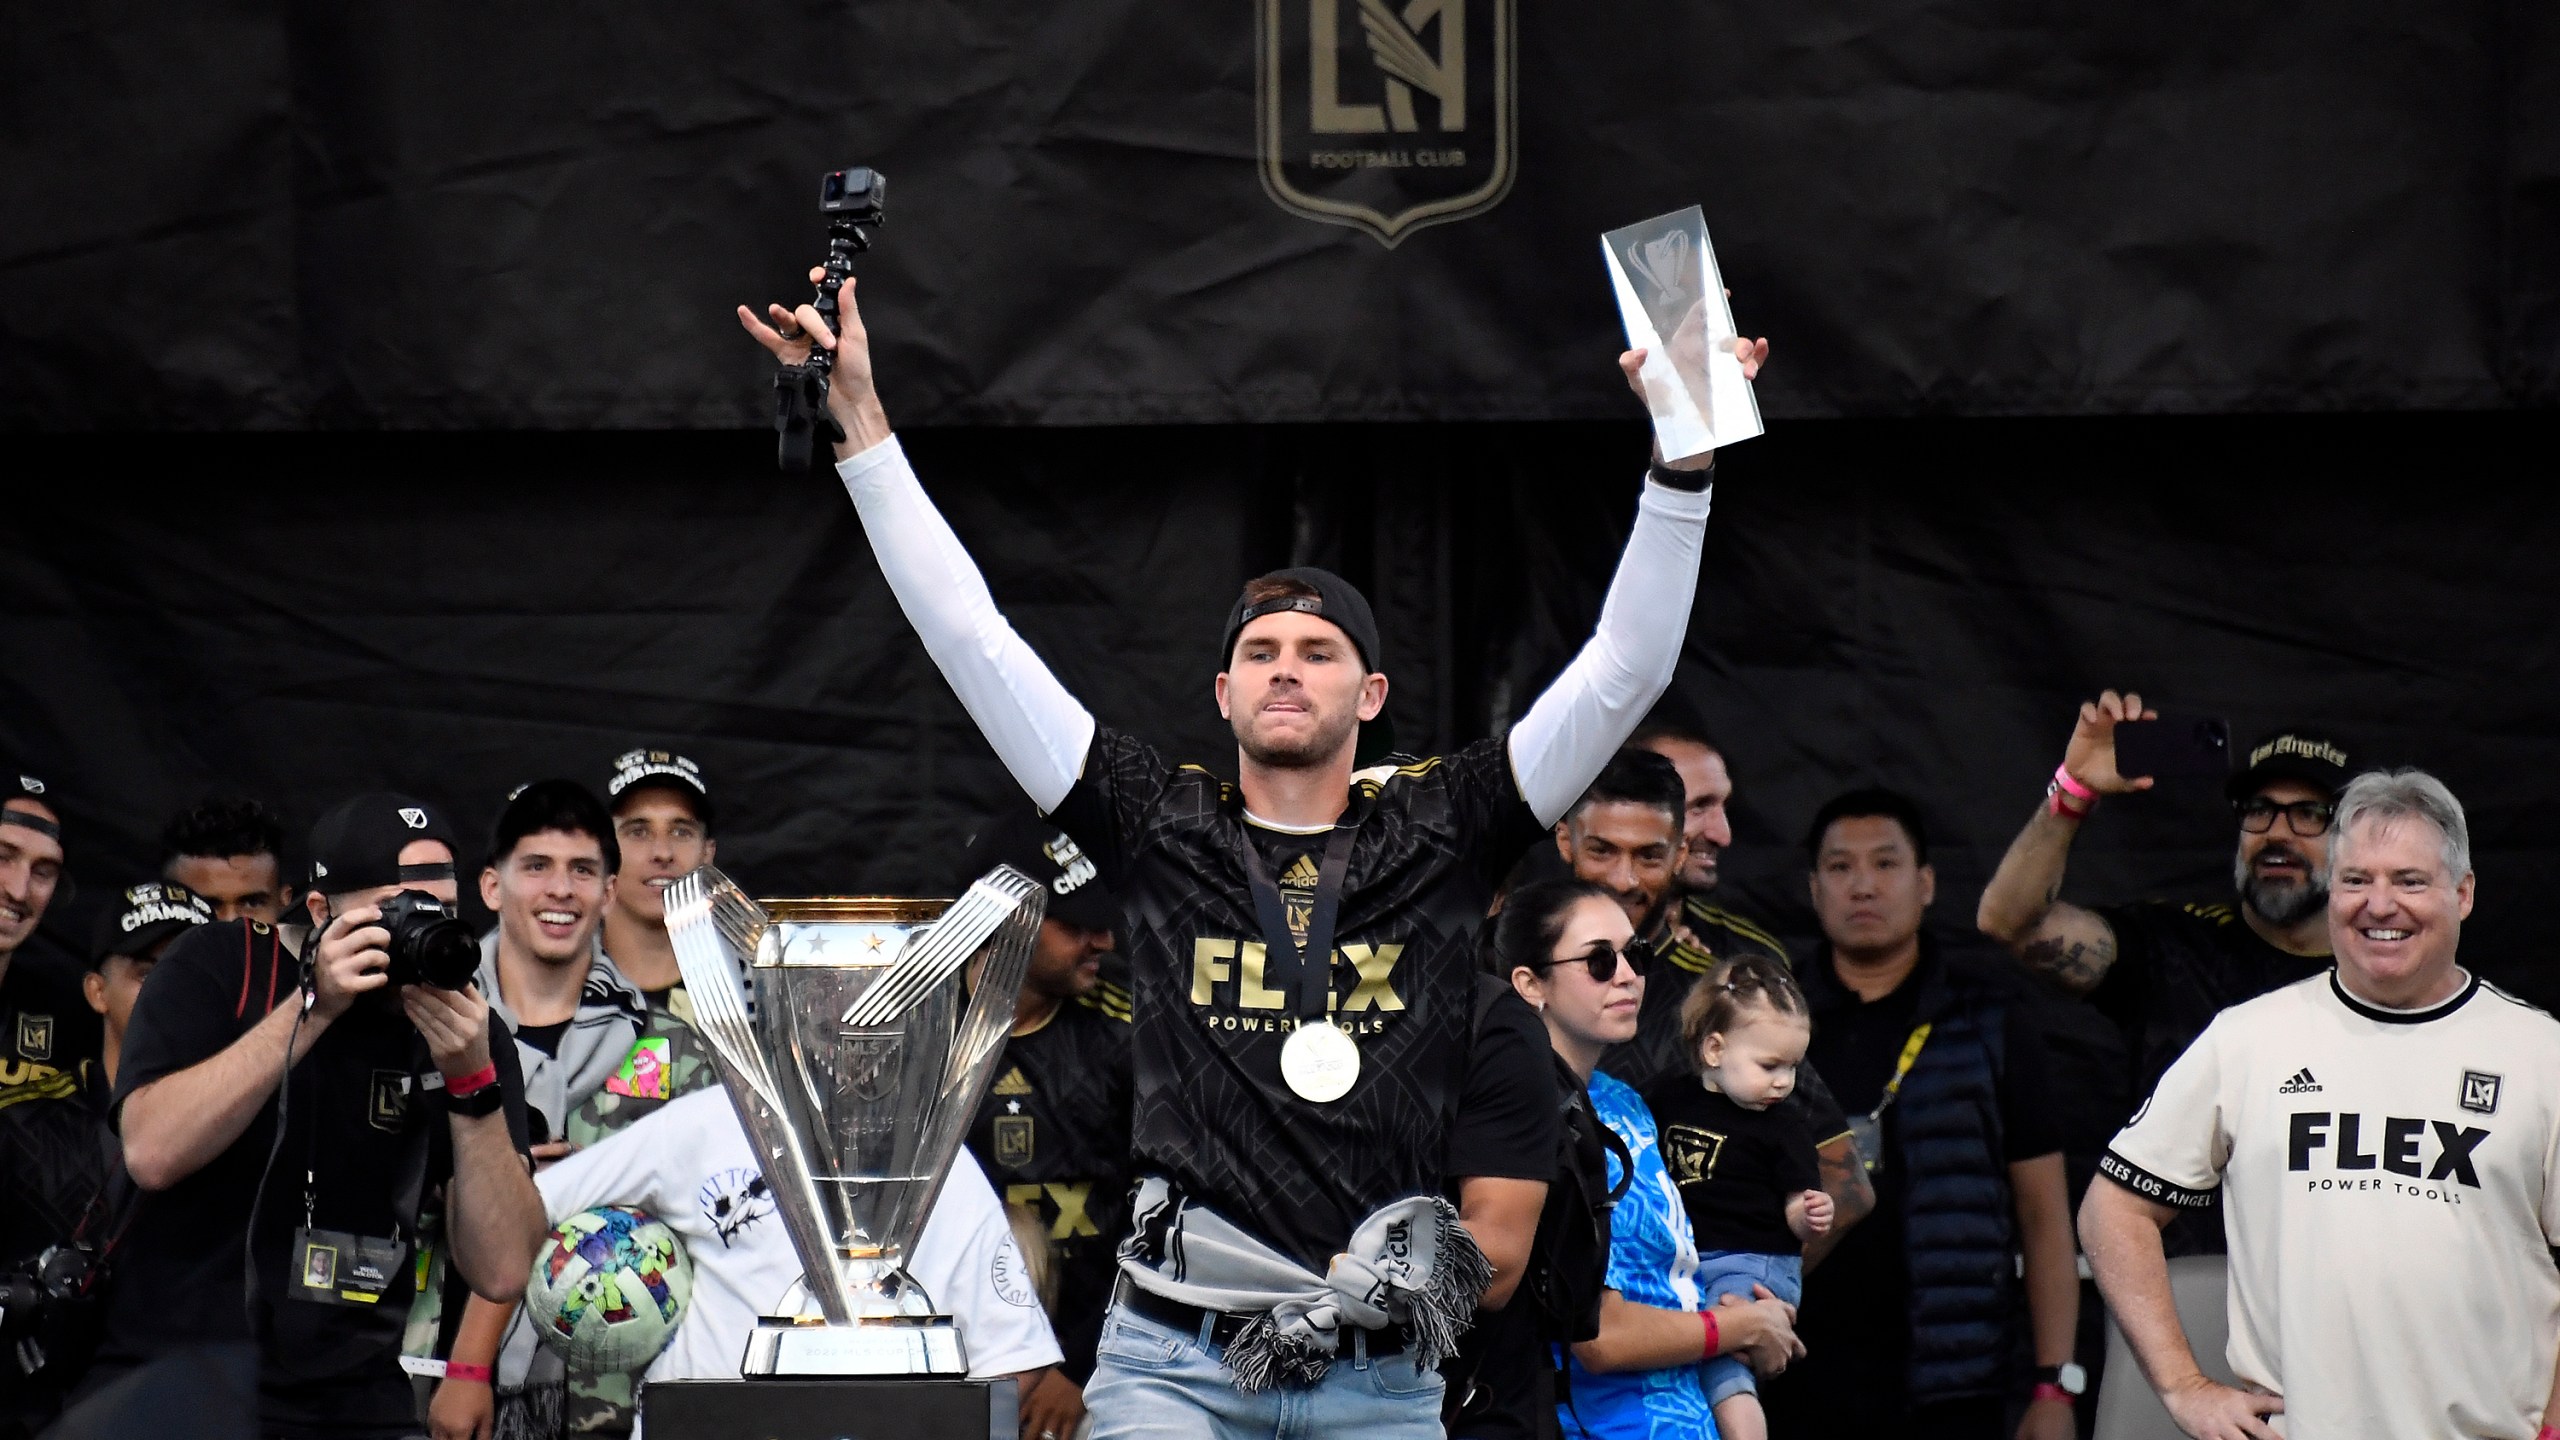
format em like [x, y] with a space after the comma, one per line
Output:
[50, 1039]
[1293, 1253]
[662, 819]
[2162, 970]
[311, 1108]
[1053, 1133]
[50, 1160]
[130, 938]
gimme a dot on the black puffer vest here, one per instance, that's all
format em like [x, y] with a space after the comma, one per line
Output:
[1958, 1223]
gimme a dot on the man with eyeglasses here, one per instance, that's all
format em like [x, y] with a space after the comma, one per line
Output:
[2159, 969]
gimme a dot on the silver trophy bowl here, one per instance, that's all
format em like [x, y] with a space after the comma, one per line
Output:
[875, 1031]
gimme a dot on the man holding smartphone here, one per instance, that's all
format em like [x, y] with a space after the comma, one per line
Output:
[2159, 969]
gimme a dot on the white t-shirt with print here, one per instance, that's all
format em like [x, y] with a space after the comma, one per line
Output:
[2391, 1187]
[690, 1166]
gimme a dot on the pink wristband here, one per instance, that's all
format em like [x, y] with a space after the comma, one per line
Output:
[457, 1087]
[1714, 1337]
[2050, 1391]
[456, 1370]
[2063, 785]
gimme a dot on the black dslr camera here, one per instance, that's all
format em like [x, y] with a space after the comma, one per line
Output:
[852, 200]
[429, 943]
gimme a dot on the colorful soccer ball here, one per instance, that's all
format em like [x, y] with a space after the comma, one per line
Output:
[608, 1289]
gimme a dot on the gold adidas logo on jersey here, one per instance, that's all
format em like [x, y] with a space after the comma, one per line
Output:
[1301, 874]
[1013, 1083]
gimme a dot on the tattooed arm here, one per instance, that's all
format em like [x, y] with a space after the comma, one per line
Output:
[2022, 906]
[2023, 910]
[1853, 1195]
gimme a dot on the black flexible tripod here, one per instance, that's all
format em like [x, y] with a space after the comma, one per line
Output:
[852, 200]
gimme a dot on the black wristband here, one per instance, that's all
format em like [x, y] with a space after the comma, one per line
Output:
[487, 1100]
[1692, 481]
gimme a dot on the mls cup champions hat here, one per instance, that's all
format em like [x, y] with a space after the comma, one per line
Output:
[2296, 752]
[143, 916]
[636, 770]
[1077, 892]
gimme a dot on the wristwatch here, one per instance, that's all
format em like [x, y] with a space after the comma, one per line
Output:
[2072, 1379]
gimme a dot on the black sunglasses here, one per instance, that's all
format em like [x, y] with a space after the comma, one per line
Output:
[1601, 964]
[2302, 817]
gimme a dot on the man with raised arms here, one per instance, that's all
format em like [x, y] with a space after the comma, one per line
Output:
[1295, 1254]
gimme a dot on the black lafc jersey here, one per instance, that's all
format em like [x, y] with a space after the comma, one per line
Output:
[1053, 1137]
[1213, 1116]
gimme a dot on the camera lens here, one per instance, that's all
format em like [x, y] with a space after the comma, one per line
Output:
[835, 186]
[429, 946]
[447, 954]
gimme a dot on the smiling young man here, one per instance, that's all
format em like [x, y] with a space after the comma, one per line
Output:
[1293, 1252]
[549, 880]
[2389, 1133]
[661, 816]
[50, 1078]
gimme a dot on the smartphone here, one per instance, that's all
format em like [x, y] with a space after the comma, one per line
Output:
[2174, 747]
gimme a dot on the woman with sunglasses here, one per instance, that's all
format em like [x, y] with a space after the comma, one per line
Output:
[1569, 950]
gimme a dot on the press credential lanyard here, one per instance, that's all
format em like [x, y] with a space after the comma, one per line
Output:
[1869, 1128]
[1312, 966]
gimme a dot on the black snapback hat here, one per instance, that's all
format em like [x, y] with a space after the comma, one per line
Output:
[1336, 599]
[640, 769]
[2296, 752]
[143, 916]
[1077, 892]
[357, 845]
[17, 784]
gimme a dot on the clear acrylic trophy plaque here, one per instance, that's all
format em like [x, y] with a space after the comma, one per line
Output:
[1664, 273]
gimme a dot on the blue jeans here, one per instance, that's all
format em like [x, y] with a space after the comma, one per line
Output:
[1734, 1272]
[1153, 1382]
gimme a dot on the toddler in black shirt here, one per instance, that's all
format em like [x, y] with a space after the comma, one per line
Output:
[1745, 1168]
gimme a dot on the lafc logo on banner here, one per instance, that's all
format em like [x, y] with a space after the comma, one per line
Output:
[1384, 117]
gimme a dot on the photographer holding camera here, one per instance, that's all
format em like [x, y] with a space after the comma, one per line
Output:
[310, 1105]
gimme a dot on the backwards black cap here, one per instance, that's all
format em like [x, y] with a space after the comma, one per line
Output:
[145, 915]
[17, 784]
[1336, 599]
[357, 845]
[2293, 753]
[1077, 892]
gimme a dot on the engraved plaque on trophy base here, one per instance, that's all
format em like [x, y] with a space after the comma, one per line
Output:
[882, 1345]
[835, 1409]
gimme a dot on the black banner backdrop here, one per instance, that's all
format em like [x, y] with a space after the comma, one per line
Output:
[358, 213]
[1919, 603]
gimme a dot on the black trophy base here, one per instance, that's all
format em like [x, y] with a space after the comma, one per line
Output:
[853, 1407]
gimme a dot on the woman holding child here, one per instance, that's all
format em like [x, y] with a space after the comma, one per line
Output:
[1569, 950]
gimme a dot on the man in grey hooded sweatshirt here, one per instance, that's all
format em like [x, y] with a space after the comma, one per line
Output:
[549, 877]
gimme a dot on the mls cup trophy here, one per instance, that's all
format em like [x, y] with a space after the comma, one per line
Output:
[876, 1029]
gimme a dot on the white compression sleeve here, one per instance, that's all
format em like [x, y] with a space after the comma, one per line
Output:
[1561, 744]
[1037, 728]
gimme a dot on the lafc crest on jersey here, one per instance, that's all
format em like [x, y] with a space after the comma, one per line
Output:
[1386, 115]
